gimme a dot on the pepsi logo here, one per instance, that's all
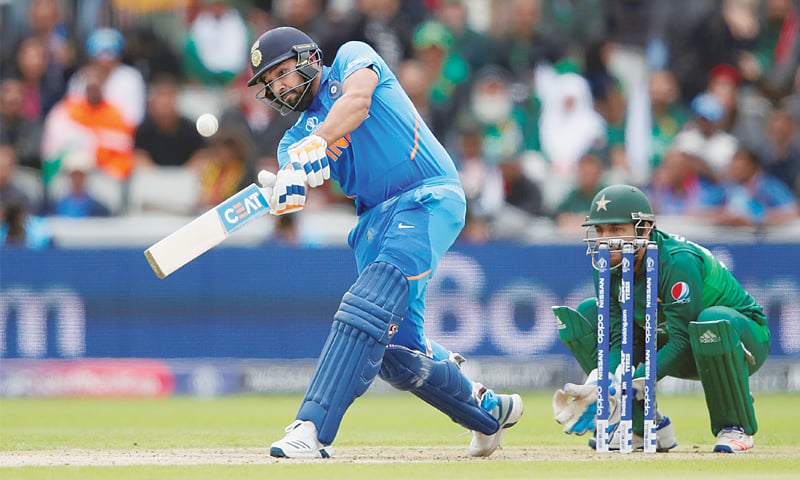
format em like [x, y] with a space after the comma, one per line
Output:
[680, 291]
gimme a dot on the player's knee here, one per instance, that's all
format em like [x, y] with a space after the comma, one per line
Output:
[402, 368]
[588, 308]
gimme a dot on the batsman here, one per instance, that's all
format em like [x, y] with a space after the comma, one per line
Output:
[709, 328]
[360, 128]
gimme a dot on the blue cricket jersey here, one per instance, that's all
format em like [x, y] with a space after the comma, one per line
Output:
[391, 152]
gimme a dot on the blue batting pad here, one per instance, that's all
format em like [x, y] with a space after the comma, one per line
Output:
[440, 383]
[366, 321]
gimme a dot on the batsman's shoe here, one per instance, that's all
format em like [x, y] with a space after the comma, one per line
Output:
[300, 442]
[665, 438]
[733, 440]
[507, 412]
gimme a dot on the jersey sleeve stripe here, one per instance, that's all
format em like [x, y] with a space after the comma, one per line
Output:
[416, 137]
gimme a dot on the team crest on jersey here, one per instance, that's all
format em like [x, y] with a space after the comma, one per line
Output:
[312, 124]
[335, 90]
[680, 292]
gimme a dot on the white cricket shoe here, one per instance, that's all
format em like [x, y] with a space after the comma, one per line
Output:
[300, 442]
[733, 440]
[507, 412]
[665, 438]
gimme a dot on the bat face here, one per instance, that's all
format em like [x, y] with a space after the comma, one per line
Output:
[207, 230]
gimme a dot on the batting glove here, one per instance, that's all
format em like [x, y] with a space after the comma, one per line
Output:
[289, 192]
[309, 157]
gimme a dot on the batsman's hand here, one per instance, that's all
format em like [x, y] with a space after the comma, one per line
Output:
[309, 156]
[289, 192]
[575, 406]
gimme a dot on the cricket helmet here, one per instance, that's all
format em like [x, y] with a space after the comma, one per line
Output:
[619, 204]
[276, 46]
[614, 205]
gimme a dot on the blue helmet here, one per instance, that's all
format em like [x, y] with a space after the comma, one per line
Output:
[276, 46]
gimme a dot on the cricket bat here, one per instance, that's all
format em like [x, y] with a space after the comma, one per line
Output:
[211, 228]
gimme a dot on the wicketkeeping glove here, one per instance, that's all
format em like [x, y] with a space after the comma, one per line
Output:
[575, 406]
[289, 192]
[638, 388]
[310, 157]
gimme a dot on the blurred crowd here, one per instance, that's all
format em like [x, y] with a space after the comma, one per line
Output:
[540, 102]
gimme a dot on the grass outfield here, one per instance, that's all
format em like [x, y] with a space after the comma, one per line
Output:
[382, 436]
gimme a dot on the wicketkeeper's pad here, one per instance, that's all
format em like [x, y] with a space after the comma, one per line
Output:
[720, 361]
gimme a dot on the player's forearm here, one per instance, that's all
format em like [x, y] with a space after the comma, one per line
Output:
[346, 115]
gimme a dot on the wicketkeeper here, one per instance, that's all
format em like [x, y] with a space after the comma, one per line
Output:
[709, 328]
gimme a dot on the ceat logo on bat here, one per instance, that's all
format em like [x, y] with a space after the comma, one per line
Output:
[680, 292]
[246, 205]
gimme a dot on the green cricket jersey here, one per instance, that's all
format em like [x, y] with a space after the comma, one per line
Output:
[690, 280]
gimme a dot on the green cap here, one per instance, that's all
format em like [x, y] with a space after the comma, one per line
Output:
[433, 34]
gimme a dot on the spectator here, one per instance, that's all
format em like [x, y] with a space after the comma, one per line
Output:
[754, 198]
[41, 89]
[77, 202]
[521, 191]
[261, 128]
[151, 54]
[472, 46]
[722, 30]
[631, 26]
[88, 121]
[45, 24]
[492, 106]
[772, 61]
[416, 81]
[165, 138]
[667, 113]
[574, 207]
[380, 24]
[10, 192]
[308, 16]
[123, 85]
[482, 180]
[447, 73]
[522, 46]
[17, 226]
[222, 172]
[22, 134]
[568, 107]
[217, 37]
[745, 115]
[710, 147]
[609, 101]
[677, 189]
[781, 150]
[575, 23]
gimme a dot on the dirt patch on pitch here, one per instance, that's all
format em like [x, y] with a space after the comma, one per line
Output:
[394, 454]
